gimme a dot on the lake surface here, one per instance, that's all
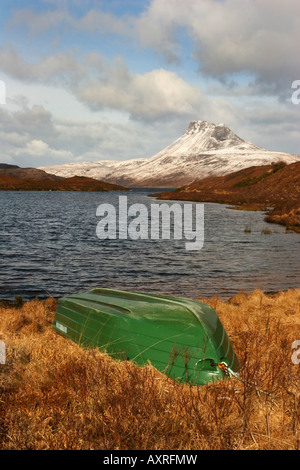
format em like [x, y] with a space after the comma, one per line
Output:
[49, 247]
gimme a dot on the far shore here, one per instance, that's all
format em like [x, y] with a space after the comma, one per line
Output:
[273, 189]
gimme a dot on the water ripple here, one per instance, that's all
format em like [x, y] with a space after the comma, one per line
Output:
[48, 246]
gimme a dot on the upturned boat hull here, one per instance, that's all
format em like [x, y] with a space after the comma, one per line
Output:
[182, 338]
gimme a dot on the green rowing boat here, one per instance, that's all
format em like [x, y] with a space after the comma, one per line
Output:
[182, 338]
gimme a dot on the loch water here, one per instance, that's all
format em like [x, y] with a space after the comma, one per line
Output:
[49, 247]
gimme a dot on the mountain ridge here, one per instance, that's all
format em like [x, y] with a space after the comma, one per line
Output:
[204, 149]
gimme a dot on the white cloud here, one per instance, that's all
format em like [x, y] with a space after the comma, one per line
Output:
[156, 28]
[259, 37]
[154, 95]
[37, 149]
[256, 37]
[28, 135]
[62, 68]
[100, 85]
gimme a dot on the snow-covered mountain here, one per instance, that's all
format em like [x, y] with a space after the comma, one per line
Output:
[204, 149]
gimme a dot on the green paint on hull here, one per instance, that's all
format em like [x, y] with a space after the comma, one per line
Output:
[178, 336]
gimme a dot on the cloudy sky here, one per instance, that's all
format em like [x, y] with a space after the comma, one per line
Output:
[89, 80]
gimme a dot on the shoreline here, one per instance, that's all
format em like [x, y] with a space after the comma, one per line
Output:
[273, 215]
[19, 300]
[273, 189]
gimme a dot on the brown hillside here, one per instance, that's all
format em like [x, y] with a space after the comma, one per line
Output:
[76, 183]
[274, 188]
[27, 173]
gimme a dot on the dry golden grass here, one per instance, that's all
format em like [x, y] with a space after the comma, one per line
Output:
[56, 395]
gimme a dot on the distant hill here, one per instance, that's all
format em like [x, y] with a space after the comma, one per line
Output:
[27, 173]
[14, 178]
[6, 166]
[273, 188]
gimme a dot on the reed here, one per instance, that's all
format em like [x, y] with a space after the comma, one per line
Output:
[54, 394]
